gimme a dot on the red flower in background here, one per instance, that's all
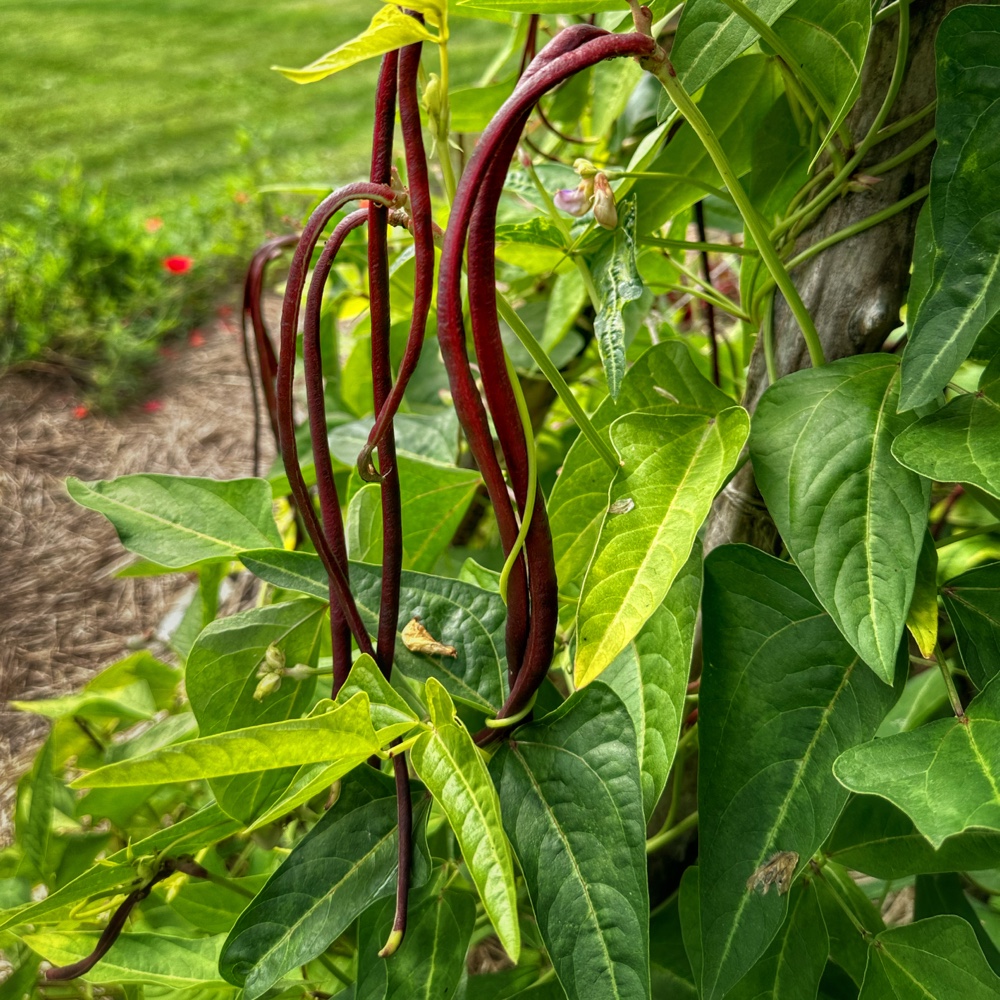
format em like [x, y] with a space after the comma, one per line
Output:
[178, 265]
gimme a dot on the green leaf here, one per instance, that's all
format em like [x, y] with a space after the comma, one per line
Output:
[852, 517]
[221, 678]
[956, 287]
[177, 521]
[418, 435]
[663, 380]
[830, 40]
[711, 35]
[957, 444]
[431, 959]
[670, 969]
[364, 525]
[924, 697]
[945, 893]
[672, 468]
[689, 911]
[35, 836]
[116, 873]
[874, 837]
[973, 604]
[343, 736]
[840, 898]
[132, 703]
[391, 715]
[434, 499]
[782, 686]
[617, 280]
[390, 29]
[454, 612]
[345, 863]
[212, 907]
[793, 964]
[922, 618]
[932, 959]
[736, 104]
[583, 854]
[452, 768]
[160, 959]
[944, 775]
[544, 6]
[651, 674]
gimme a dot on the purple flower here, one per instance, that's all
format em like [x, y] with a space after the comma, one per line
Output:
[573, 201]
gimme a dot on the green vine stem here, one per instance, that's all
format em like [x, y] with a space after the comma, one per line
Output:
[767, 336]
[665, 837]
[529, 500]
[894, 161]
[961, 536]
[660, 66]
[949, 683]
[556, 380]
[694, 245]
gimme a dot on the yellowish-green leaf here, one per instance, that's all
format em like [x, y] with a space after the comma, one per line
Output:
[672, 468]
[390, 29]
[451, 766]
[343, 738]
[922, 619]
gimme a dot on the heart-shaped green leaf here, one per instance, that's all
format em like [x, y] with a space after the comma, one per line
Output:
[344, 737]
[945, 775]
[956, 271]
[934, 959]
[672, 468]
[957, 444]
[178, 521]
[651, 673]
[583, 854]
[451, 766]
[852, 517]
[782, 686]
[345, 863]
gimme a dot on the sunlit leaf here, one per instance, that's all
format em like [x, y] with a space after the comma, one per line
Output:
[451, 766]
[178, 521]
[672, 468]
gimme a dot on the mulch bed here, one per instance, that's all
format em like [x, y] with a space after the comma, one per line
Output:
[63, 612]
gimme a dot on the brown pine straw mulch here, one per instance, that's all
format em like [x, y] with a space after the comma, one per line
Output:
[63, 613]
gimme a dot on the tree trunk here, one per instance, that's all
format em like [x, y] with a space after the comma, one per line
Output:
[855, 289]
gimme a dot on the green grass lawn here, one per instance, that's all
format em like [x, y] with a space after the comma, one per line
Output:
[149, 96]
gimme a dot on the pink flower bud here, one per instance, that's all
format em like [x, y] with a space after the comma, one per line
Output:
[573, 201]
[605, 213]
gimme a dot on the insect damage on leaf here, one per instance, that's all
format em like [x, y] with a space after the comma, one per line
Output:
[622, 506]
[418, 640]
[777, 871]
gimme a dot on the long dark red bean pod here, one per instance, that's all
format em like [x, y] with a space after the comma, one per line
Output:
[329, 500]
[422, 227]
[266, 367]
[378, 282]
[570, 52]
[291, 306]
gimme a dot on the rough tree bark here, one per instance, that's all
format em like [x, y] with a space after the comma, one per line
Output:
[853, 290]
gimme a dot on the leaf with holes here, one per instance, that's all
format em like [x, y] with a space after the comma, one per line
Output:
[782, 686]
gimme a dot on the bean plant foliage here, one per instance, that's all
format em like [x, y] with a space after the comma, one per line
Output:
[503, 717]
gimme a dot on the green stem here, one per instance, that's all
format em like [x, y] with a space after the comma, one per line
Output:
[767, 336]
[719, 301]
[894, 161]
[949, 683]
[841, 902]
[752, 220]
[330, 967]
[556, 380]
[444, 121]
[665, 837]
[961, 536]
[529, 500]
[683, 178]
[663, 241]
[889, 10]
[904, 123]
[805, 216]
[769, 35]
